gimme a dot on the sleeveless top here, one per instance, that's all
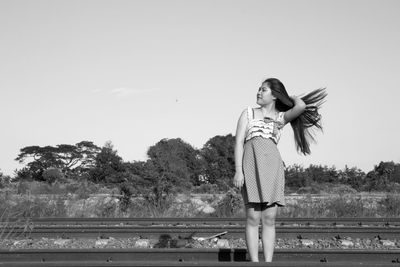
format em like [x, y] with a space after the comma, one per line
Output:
[266, 128]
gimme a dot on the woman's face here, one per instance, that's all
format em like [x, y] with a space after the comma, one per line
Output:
[264, 95]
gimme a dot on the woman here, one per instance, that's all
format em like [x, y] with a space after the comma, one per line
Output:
[259, 166]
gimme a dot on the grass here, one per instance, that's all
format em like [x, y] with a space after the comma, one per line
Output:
[8, 224]
[38, 200]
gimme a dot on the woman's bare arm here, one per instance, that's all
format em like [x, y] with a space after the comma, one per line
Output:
[238, 180]
[296, 110]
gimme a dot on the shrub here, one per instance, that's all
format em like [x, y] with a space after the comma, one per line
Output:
[28, 207]
[390, 205]
[345, 207]
[126, 190]
[230, 206]
[52, 174]
[206, 189]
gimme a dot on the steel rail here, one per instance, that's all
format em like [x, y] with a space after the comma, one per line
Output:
[184, 231]
[228, 221]
[193, 264]
[195, 255]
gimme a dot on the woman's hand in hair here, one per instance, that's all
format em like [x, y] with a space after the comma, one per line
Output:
[296, 110]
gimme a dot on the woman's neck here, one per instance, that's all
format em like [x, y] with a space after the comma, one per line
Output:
[268, 109]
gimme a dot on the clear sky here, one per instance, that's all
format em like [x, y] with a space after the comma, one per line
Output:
[134, 72]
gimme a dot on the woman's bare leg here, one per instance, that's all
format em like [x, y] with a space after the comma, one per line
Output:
[253, 215]
[268, 231]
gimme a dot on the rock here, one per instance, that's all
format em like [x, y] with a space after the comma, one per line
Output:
[142, 243]
[307, 242]
[20, 243]
[180, 243]
[347, 243]
[61, 242]
[387, 243]
[101, 243]
[208, 209]
[223, 243]
[197, 202]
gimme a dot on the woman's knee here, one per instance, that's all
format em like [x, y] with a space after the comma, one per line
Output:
[253, 217]
[268, 220]
[268, 216]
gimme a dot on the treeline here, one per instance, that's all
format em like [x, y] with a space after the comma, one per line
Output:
[175, 166]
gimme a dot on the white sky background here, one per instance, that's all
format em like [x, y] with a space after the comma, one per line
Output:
[134, 72]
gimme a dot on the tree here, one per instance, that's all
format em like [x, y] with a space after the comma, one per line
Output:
[155, 187]
[109, 167]
[52, 174]
[295, 177]
[4, 180]
[353, 177]
[384, 177]
[68, 158]
[218, 155]
[389, 171]
[176, 161]
[322, 174]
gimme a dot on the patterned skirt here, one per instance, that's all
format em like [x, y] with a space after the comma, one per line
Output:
[264, 176]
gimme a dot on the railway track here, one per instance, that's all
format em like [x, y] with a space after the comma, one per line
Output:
[194, 257]
[382, 228]
[388, 222]
[154, 232]
[302, 228]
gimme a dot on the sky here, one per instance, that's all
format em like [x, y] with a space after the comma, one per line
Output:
[135, 72]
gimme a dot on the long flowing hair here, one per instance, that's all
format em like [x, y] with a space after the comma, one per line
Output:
[304, 126]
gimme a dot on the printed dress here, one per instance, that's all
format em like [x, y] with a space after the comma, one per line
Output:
[263, 167]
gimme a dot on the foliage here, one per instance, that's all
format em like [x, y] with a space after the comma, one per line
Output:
[230, 206]
[108, 167]
[152, 185]
[218, 155]
[37, 206]
[176, 161]
[390, 205]
[205, 189]
[175, 166]
[126, 191]
[322, 174]
[295, 177]
[52, 174]
[353, 177]
[67, 158]
[5, 180]
[384, 177]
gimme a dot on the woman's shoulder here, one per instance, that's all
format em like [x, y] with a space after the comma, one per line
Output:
[246, 110]
[247, 113]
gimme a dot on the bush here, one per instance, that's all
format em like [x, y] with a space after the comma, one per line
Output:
[126, 190]
[390, 205]
[230, 206]
[29, 207]
[52, 174]
[206, 189]
[345, 207]
[5, 180]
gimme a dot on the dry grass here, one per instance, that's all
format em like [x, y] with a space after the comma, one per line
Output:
[82, 204]
[11, 221]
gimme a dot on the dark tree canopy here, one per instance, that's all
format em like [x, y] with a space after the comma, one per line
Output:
[176, 161]
[67, 158]
[108, 167]
[176, 166]
[218, 155]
